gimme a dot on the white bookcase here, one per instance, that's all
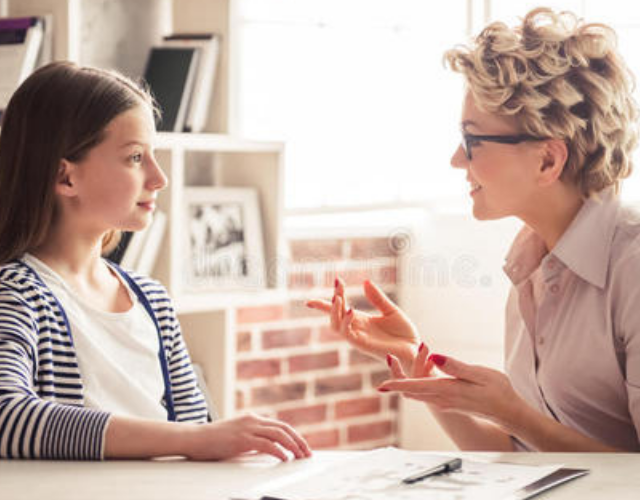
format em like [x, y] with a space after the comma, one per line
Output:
[216, 159]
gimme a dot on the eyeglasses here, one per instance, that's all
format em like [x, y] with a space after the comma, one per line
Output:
[470, 140]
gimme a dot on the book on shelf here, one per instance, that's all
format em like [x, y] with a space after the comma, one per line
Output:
[170, 73]
[138, 250]
[21, 44]
[208, 46]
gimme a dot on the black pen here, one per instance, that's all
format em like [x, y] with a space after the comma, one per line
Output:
[451, 465]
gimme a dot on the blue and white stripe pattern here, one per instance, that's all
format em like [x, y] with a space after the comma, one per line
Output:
[42, 413]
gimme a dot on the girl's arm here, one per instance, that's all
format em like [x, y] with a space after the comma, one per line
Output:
[137, 438]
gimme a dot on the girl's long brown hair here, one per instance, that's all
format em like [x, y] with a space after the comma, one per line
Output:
[59, 112]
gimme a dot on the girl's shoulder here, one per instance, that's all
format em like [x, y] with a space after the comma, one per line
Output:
[18, 276]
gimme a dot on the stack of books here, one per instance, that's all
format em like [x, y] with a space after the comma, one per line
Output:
[25, 44]
[181, 74]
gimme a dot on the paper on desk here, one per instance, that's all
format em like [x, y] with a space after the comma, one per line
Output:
[378, 475]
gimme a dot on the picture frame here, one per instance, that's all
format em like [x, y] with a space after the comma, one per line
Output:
[223, 241]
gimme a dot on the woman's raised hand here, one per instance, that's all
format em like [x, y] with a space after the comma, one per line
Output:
[390, 331]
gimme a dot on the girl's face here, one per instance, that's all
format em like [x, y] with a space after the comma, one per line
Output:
[115, 185]
[502, 176]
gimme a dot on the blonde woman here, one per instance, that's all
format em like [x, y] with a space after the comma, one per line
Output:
[548, 128]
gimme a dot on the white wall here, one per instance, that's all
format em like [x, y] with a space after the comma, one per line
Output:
[453, 287]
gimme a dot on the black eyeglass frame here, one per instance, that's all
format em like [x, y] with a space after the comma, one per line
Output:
[500, 139]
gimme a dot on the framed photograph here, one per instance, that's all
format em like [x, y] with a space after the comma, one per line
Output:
[223, 239]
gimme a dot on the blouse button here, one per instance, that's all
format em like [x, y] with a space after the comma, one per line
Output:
[554, 288]
[551, 264]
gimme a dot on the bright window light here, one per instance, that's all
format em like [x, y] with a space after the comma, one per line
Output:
[358, 91]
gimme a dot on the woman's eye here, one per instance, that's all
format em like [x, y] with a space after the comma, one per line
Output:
[136, 158]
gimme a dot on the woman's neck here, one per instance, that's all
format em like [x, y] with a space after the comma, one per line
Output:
[554, 212]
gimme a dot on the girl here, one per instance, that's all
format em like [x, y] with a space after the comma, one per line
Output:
[548, 128]
[92, 361]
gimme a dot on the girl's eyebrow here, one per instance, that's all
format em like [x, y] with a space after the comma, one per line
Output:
[133, 143]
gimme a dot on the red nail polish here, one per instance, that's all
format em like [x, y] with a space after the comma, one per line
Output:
[335, 283]
[421, 347]
[389, 360]
[383, 389]
[333, 299]
[350, 311]
[438, 359]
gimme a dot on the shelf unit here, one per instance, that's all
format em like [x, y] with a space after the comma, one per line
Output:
[214, 159]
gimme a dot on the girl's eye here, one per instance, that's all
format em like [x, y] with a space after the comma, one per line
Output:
[136, 158]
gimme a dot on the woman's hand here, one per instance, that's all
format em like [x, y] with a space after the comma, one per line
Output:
[468, 389]
[229, 438]
[391, 331]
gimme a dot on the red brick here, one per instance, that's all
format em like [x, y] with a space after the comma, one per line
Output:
[357, 406]
[379, 376]
[316, 250]
[273, 394]
[369, 248]
[339, 383]
[323, 439]
[314, 361]
[286, 338]
[258, 368]
[239, 400]
[369, 432]
[243, 341]
[301, 280]
[359, 358]
[387, 275]
[353, 277]
[394, 401]
[259, 314]
[327, 334]
[304, 415]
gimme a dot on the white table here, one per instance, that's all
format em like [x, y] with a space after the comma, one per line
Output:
[612, 477]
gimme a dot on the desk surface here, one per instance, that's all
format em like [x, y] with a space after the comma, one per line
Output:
[613, 476]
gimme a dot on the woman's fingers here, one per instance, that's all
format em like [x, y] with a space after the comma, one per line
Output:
[339, 292]
[378, 298]
[320, 305]
[336, 312]
[396, 367]
[420, 361]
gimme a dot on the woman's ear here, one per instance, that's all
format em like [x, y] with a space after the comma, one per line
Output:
[64, 182]
[554, 159]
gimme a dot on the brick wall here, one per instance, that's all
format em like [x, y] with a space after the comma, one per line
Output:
[293, 367]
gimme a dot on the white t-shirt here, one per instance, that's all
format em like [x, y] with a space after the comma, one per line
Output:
[117, 352]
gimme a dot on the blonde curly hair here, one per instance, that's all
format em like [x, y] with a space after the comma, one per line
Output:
[563, 79]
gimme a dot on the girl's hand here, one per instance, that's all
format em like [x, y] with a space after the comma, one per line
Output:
[229, 438]
[391, 331]
[468, 389]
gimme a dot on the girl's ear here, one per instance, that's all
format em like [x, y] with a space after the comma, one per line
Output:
[554, 159]
[64, 181]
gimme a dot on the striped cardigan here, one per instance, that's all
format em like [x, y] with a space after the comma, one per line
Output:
[42, 413]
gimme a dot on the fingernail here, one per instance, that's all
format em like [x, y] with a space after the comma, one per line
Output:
[350, 311]
[389, 360]
[383, 389]
[333, 299]
[438, 359]
[421, 346]
[335, 283]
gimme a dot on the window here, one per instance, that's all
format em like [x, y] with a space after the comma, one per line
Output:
[358, 91]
